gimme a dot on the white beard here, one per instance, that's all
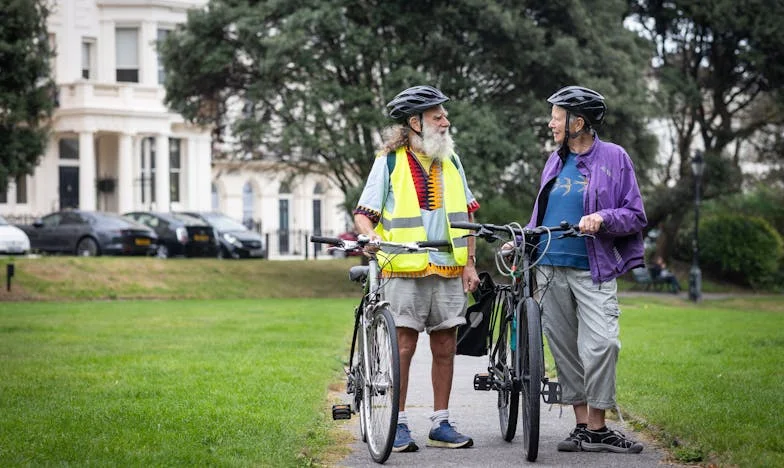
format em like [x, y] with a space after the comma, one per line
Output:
[437, 145]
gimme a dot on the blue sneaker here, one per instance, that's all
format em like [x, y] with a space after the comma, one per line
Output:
[446, 436]
[403, 440]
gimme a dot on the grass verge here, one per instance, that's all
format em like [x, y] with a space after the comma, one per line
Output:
[169, 383]
[78, 278]
[707, 378]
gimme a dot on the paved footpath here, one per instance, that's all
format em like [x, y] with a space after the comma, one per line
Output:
[475, 415]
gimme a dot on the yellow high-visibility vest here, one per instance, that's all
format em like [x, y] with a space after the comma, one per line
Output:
[405, 223]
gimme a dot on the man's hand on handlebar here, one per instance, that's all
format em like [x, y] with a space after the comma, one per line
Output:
[372, 247]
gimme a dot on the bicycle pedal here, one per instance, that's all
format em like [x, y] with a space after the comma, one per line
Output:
[551, 392]
[341, 411]
[482, 382]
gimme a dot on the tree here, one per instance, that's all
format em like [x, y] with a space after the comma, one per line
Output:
[26, 87]
[312, 79]
[720, 70]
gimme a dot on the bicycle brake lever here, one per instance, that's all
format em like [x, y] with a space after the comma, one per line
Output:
[575, 233]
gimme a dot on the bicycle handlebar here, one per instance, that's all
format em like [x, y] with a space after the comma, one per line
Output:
[362, 241]
[487, 231]
[326, 240]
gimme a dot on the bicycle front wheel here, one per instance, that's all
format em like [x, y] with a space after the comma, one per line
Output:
[533, 373]
[504, 365]
[382, 387]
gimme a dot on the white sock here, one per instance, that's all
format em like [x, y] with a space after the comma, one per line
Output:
[438, 416]
[402, 418]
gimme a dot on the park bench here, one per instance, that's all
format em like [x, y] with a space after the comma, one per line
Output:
[643, 277]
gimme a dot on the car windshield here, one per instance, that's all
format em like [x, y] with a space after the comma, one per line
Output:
[224, 223]
[187, 219]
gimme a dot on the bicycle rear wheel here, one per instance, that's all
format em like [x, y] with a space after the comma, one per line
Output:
[503, 364]
[533, 373]
[382, 388]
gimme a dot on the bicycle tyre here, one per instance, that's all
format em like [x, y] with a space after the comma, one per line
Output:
[533, 373]
[381, 400]
[508, 390]
[356, 379]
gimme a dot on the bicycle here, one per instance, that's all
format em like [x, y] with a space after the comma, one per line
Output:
[373, 372]
[514, 341]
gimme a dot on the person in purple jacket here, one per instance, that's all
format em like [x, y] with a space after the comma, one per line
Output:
[591, 183]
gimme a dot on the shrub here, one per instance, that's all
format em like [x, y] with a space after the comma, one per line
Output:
[743, 249]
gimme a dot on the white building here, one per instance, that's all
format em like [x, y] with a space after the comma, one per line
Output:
[116, 147]
[284, 209]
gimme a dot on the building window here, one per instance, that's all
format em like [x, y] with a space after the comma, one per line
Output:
[68, 148]
[53, 60]
[215, 204]
[127, 54]
[147, 170]
[21, 189]
[283, 222]
[162, 35]
[174, 169]
[317, 222]
[88, 58]
[247, 205]
[3, 195]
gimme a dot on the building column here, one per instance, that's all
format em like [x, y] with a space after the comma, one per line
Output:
[205, 172]
[125, 173]
[162, 186]
[87, 178]
[199, 157]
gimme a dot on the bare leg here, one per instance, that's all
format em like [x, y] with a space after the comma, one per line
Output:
[595, 419]
[443, 344]
[406, 343]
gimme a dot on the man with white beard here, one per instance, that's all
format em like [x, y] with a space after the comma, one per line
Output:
[415, 190]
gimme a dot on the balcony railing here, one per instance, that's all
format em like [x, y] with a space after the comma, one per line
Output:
[114, 96]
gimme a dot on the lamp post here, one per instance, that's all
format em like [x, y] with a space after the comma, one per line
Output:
[695, 274]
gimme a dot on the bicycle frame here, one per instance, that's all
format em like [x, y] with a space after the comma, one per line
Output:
[519, 333]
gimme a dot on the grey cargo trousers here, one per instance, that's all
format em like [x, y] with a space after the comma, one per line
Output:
[580, 321]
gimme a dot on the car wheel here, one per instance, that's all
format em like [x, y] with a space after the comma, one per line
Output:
[223, 253]
[87, 247]
[162, 252]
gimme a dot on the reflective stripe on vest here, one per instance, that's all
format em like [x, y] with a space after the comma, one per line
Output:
[405, 223]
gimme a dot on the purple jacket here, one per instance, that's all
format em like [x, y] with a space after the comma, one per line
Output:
[612, 192]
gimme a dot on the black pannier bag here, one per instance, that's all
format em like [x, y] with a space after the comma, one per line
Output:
[472, 337]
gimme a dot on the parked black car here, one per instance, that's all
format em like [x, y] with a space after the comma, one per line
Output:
[236, 240]
[90, 233]
[179, 235]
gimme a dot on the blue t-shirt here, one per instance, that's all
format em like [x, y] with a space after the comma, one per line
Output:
[565, 203]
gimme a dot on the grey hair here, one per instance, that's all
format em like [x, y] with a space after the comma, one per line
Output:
[393, 137]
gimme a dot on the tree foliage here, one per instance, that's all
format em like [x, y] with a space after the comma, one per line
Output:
[720, 70]
[308, 80]
[26, 87]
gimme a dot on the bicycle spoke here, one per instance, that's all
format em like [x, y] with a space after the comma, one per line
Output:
[382, 388]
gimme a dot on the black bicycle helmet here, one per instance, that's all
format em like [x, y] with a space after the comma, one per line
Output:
[581, 101]
[415, 100]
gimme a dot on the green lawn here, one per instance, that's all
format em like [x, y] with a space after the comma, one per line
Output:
[707, 378]
[226, 372]
[183, 383]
